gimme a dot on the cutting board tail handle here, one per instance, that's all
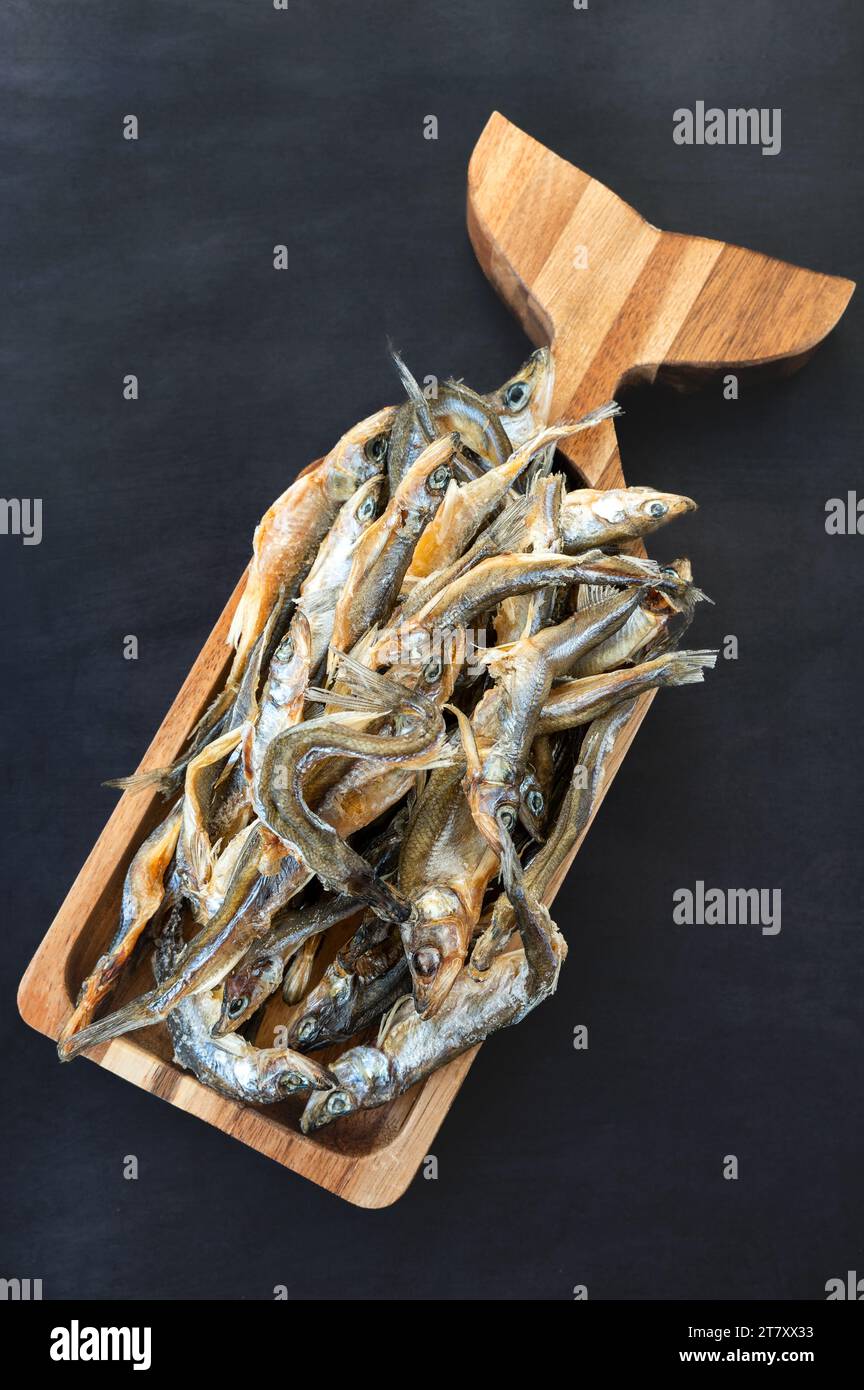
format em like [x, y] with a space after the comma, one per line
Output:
[623, 301]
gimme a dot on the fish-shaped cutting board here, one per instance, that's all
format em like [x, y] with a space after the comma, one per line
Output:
[621, 301]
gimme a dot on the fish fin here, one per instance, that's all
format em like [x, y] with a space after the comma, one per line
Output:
[451, 755]
[699, 596]
[229, 766]
[161, 777]
[319, 603]
[488, 656]
[389, 1019]
[295, 983]
[201, 857]
[379, 692]
[607, 411]
[540, 467]
[506, 530]
[688, 668]
[365, 645]
[339, 700]
[469, 743]
[415, 395]
[235, 631]
[133, 1015]
[591, 594]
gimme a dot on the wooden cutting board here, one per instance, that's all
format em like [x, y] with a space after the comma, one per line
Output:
[621, 301]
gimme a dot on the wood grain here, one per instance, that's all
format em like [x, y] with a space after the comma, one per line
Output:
[647, 304]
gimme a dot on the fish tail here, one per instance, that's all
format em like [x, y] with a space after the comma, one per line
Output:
[163, 778]
[138, 1014]
[451, 755]
[688, 668]
[368, 688]
[339, 700]
[506, 530]
[608, 411]
[700, 596]
[683, 568]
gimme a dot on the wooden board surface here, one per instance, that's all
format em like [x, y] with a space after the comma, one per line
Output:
[620, 300]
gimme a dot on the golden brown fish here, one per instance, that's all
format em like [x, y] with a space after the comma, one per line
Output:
[384, 552]
[290, 532]
[523, 403]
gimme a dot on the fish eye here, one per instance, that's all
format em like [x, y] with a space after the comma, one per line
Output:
[432, 670]
[286, 649]
[238, 1006]
[426, 962]
[376, 449]
[338, 1103]
[307, 1030]
[290, 1081]
[517, 395]
[367, 509]
[439, 478]
[535, 801]
[657, 508]
[507, 817]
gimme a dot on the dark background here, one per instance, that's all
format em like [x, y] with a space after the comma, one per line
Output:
[557, 1167]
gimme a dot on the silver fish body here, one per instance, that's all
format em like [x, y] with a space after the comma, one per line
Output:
[412, 1046]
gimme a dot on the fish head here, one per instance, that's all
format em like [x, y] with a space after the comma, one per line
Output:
[360, 1079]
[532, 806]
[636, 511]
[324, 1006]
[283, 1073]
[668, 614]
[435, 939]
[291, 657]
[650, 508]
[494, 799]
[246, 989]
[422, 489]
[360, 454]
[291, 666]
[434, 661]
[523, 403]
[365, 504]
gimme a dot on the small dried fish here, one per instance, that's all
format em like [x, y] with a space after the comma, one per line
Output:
[289, 757]
[579, 803]
[348, 999]
[577, 702]
[523, 676]
[382, 556]
[290, 532]
[231, 1066]
[352, 643]
[444, 870]
[523, 403]
[619, 514]
[143, 893]
[411, 1046]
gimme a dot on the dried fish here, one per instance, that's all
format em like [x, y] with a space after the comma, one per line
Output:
[359, 726]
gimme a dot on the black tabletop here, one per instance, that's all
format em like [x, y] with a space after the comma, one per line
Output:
[260, 127]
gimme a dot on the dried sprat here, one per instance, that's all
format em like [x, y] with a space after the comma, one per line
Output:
[396, 771]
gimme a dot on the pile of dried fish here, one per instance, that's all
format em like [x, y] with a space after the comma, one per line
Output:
[378, 780]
